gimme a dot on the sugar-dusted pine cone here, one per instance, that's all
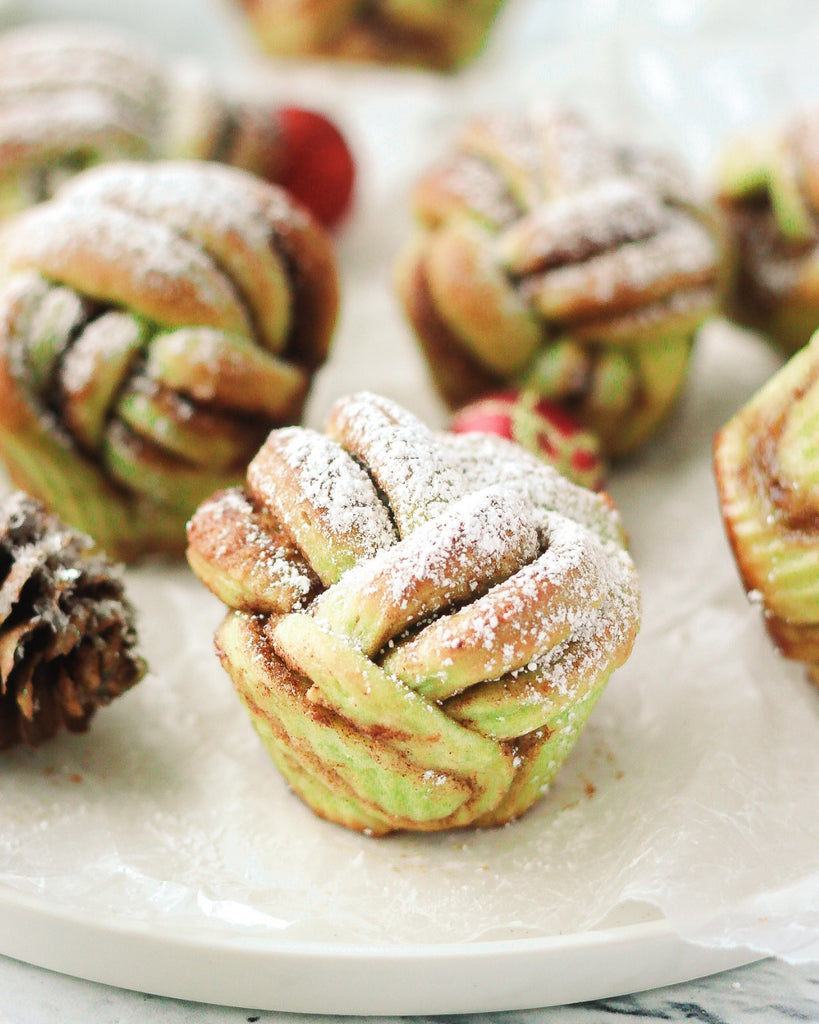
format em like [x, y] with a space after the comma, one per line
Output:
[159, 320]
[551, 258]
[420, 622]
[766, 463]
[67, 633]
[768, 188]
[72, 96]
[439, 34]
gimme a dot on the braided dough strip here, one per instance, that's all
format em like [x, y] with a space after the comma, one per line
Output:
[42, 58]
[42, 458]
[224, 216]
[125, 260]
[570, 228]
[539, 756]
[135, 345]
[228, 370]
[67, 93]
[477, 542]
[491, 317]
[274, 698]
[203, 437]
[401, 454]
[410, 788]
[680, 255]
[242, 555]
[323, 497]
[537, 609]
[533, 698]
[409, 735]
[53, 316]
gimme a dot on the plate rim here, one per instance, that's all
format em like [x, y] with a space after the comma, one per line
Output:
[259, 969]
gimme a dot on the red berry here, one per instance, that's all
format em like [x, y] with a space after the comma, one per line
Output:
[542, 427]
[559, 418]
[319, 169]
[483, 418]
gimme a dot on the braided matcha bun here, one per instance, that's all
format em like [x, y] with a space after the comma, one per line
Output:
[439, 34]
[158, 320]
[768, 188]
[419, 623]
[766, 462]
[72, 96]
[551, 259]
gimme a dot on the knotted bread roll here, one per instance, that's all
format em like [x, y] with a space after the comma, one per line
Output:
[439, 34]
[767, 185]
[73, 96]
[553, 259]
[419, 623]
[159, 319]
[766, 463]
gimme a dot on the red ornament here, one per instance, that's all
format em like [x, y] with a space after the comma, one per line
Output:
[318, 168]
[540, 426]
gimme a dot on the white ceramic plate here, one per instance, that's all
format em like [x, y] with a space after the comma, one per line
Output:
[310, 977]
[161, 852]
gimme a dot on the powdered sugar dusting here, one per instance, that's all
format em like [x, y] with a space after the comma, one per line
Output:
[686, 303]
[303, 475]
[488, 595]
[561, 588]
[601, 230]
[465, 545]
[484, 459]
[203, 201]
[548, 602]
[528, 698]
[139, 261]
[70, 96]
[593, 647]
[47, 57]
[401, 453]
[111, 333]
[230, 214]
[662, 173]
[544, 152]
[476, 542]
[683, 253]
[232, 536]
[476, 184]
[572, 154]
[575, 226]
[36, 126]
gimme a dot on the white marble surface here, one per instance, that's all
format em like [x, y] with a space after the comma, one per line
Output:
[766, 992]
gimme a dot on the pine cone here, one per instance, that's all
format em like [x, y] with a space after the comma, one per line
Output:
[767, 472]
[67, 632]
[421, 623]
[552, 259]
[72, 97]
[160, 319]
[439, 34]
[768, 188]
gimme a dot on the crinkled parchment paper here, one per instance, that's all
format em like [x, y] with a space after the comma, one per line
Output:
[694, 787]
